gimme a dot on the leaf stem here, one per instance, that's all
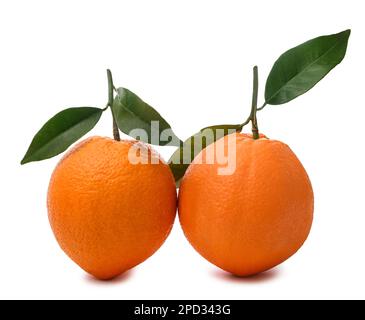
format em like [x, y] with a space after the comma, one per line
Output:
[262, 107]
[110, 104]
[246, 122]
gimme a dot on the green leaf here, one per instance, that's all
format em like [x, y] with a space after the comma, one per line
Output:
[183, 156]
[300, 68]
[61, 131]
[139, 120]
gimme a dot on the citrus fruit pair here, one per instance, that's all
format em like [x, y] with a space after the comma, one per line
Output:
[110, 214]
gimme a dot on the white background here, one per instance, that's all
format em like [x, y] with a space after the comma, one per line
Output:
[192, 60]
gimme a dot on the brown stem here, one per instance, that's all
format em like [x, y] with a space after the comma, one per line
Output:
[255, 128]
[253, 114]
[110, 104]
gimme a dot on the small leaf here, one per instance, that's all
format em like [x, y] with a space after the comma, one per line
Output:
[183, 156]
[300, 68]
[139, 120]
[61, 131]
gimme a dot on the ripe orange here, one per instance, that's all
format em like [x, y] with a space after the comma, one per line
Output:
[108, 214]
[254, 219]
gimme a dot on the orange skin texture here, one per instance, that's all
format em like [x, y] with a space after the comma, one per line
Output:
[253, 220]
[107, 214]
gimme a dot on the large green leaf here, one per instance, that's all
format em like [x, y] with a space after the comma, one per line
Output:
[300, 68]
[61, 131]
[183, 156]
[139, 120]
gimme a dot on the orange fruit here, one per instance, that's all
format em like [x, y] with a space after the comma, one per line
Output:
[107, 213]
[253, 219]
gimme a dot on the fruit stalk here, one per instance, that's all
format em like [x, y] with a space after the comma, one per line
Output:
[255, 129]
[110, 104]
[253, 117]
